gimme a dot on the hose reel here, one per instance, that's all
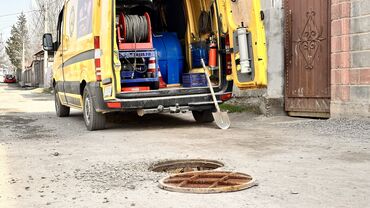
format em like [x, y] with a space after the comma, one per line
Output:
[134, 28]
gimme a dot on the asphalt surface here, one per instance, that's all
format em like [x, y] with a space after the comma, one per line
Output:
[47, 161]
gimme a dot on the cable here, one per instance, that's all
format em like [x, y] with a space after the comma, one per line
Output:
[13, 14]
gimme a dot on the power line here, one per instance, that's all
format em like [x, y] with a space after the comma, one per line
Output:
[13, 14]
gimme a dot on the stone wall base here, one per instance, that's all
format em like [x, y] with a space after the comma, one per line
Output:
[350, 110]
[258, 102]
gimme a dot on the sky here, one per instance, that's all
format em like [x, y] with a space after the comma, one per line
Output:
[11, 7]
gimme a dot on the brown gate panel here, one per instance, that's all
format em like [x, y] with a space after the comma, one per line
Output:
[307, 57]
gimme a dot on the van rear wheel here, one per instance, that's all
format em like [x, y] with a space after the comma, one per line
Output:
[60, 109]
[93, 120]
[204, 116]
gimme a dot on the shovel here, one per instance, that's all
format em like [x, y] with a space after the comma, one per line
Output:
[221, 118]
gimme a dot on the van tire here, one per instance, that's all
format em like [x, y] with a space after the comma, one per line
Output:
[204, 116]
[93, 120]
[60, 109]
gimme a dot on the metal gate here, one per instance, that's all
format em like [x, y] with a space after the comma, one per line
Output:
[307, 58]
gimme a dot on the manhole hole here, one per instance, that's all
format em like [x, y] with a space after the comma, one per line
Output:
[204, 182]
[183, 166]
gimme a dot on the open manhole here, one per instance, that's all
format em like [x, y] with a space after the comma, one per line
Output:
[205, 182]
[183, 166]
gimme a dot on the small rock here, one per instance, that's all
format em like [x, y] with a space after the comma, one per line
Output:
[133, 204]
[27, 188]
[105, 200]
[294, 192]
[132, 187]
[56, 154]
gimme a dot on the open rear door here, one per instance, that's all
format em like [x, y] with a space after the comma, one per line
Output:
[243, 22]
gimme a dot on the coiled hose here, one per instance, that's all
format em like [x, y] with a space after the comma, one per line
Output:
[136, 29]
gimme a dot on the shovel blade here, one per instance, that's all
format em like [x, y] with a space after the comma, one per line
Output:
[222, 120]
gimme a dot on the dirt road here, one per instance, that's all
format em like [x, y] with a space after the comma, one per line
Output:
[52, 162]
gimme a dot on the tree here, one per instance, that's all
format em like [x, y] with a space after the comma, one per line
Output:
[18, 35]
[4, 59]
[37, 23]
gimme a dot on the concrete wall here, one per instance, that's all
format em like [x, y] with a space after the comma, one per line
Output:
[350, 58]
[274, 32]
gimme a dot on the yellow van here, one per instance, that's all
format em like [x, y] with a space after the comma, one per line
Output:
[144, 56]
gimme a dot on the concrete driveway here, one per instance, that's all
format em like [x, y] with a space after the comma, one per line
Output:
[47, 161]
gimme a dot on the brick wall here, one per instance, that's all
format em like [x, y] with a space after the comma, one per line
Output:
[350, 58]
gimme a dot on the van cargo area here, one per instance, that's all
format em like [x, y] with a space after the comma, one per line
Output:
[161, 44]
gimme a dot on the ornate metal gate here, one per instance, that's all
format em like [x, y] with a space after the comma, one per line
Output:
[307, 57]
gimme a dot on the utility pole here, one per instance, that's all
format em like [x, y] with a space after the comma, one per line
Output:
[46, 81]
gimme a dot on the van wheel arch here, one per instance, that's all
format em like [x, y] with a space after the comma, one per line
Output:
[82, 87]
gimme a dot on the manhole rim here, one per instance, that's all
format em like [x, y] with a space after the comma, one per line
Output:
[164, 163]
[253, 182]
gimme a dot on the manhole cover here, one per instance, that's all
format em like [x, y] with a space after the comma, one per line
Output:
[204, 182]
[183, 166]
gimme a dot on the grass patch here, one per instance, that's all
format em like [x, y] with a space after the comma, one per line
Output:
[237, 108]
[47, 90]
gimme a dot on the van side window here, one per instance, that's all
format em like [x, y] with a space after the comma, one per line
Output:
[84, 17]
[71, 18]
[60, 29]
[79, 18]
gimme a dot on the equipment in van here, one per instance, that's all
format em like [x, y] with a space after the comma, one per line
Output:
[194, 80]
[170, 56]
[245, 62]
[138, 58]
[198, 52]
[212, 53]
[134, 32]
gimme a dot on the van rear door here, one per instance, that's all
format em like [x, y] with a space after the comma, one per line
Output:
[243, 22]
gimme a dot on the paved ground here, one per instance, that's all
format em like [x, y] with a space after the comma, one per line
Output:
[52, 162]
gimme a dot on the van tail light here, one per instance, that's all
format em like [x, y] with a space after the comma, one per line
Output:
[97, 58]
[229, 66]
[226, 97]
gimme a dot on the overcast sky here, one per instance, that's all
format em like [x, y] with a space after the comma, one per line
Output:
[10, 7]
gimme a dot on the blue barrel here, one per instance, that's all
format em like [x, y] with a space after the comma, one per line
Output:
[170, 56]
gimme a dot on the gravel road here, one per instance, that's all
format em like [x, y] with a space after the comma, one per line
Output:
[47, 161]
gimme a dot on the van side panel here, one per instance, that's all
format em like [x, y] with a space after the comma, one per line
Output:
[78, 49]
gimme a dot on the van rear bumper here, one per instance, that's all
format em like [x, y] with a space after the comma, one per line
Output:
[192, 100]
[195, 102]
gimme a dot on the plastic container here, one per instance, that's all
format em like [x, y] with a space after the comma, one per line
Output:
[199, 51]
[194, 80]
[170, 56]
